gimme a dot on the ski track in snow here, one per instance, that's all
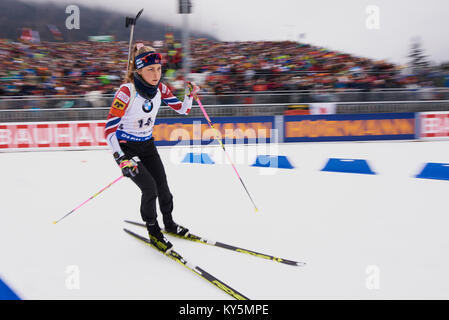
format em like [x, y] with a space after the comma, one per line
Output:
[343, 225]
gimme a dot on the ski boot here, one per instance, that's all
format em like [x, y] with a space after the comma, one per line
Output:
[175, 229]
[157, 238]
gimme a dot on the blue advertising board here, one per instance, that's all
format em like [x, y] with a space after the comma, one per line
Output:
[350, 127]
[187, 131]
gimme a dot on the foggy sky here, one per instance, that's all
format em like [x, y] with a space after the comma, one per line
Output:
[336, 25]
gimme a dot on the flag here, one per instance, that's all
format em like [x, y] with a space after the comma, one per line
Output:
[26, 34]
[30, 35]
[35, 37]
[106, 38]
[55, 32]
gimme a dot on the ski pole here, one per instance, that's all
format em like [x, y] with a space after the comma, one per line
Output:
[224, 149]
[55, 222]
[131, 22]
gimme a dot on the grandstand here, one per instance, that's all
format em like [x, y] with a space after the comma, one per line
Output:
[85, 74]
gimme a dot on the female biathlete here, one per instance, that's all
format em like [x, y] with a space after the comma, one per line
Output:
[128, 132]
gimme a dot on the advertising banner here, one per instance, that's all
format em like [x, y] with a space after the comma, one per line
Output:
[52, 135]
[233, 130]
[349, 127]
[166, 132]
[197, 130]
[434, 125]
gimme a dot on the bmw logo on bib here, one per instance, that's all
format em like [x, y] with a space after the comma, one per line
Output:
[147, 106]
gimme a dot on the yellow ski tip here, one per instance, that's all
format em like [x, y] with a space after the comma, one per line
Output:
[54, 222]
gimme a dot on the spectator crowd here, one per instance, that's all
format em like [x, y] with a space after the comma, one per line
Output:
[56, 68]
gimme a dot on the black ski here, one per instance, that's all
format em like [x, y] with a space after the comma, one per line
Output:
[202, 273]
[196, 238]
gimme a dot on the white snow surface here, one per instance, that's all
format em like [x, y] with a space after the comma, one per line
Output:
[342, 225]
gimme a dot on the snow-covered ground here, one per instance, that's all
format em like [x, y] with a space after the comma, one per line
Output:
[380, 236]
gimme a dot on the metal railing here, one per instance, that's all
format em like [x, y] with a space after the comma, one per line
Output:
[61, 114]
[96, 106]
[393, 106]
[56, 102]
[276, 97]
[329, 95]
[78, 114]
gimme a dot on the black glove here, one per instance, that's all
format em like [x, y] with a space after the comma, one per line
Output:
[129, 167]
